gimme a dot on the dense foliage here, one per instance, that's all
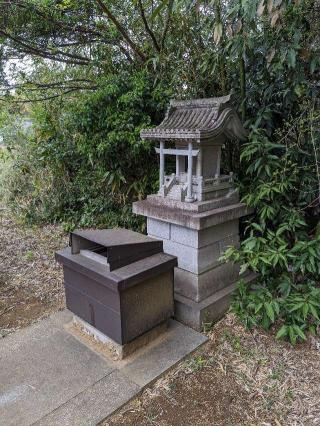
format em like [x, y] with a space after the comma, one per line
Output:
[282, 241]
[98, 71]
[84, 162]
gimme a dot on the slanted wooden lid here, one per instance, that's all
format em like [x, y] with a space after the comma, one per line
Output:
[119, 246]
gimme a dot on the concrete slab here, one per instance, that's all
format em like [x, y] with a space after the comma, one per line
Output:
[94, 404]
[175, 345]
[49, 377]
[41, 368]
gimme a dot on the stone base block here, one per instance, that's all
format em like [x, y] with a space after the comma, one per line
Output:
[198, 287]
[196, 314]
[190, 219]
[200, 260]
[110, 348]
[191, 237]
[211, 200]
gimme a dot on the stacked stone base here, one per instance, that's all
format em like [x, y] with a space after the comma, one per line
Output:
[199, 314]
[203, 283]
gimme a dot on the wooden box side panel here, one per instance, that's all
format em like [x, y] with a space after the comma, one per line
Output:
[146, 305]
[94, 303]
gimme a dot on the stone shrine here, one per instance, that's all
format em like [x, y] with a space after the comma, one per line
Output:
[196, 210]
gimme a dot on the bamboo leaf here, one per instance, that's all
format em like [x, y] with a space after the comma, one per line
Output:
[274, 19]
[282, 332]
[305, 310]
[313, 311]
[158, 9]
[292, 335]
[217, 33]
[299, 332]
[269, 311]
[292, 58]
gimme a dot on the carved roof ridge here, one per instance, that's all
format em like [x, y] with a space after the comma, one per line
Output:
[203, 102]
[198, 119]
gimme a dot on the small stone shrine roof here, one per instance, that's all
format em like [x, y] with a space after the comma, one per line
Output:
[198, 119]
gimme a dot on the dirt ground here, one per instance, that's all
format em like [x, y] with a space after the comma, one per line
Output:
[237, 378]
[31, 284]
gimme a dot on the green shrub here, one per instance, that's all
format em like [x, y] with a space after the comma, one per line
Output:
[84, 162]
[282, 241]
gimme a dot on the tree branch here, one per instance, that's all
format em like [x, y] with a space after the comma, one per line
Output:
[121, 30]
[61, 85]
[74, 28]
[147, 27]
[25, 101]
[74, 59]
[167, 23]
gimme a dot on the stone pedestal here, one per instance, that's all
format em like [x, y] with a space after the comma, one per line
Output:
[196, 211]
[108, 347]
[197, 234]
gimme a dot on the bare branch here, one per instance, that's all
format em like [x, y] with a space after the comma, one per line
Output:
[121, 30]
[25, 101]
[32, 86]
[74, 59]
[74, 28]
[147, 27]
[167, 23]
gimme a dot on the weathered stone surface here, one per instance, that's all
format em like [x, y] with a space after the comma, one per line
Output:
[93, 405]
[158, 228]
[190, 219]
[196, 314]
[202, 259]
[198, 287]
[200, 275]
[207, 119]
[205, 237]
[191, 237]
[198, 240]
[228, 198]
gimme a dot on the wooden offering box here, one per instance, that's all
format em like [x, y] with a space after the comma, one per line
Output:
[118, 281]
